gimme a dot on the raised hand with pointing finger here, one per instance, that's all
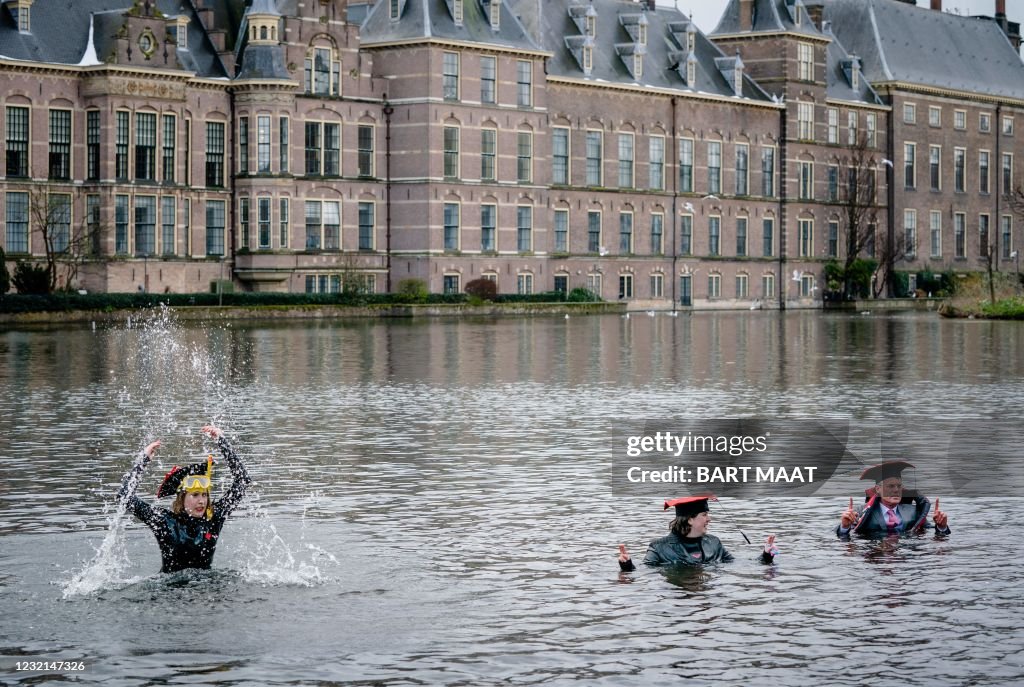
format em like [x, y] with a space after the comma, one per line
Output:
[849, 516]
[940, 519]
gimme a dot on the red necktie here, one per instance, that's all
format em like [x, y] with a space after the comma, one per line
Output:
[890, 521]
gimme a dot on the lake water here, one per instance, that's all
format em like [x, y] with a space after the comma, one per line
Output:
[433, 504]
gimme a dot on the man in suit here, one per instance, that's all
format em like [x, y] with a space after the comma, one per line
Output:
[889, 509]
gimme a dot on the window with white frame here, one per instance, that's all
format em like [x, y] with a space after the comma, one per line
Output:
[714, 286]
[983, 235]
[851, 128]
[593, 231]
[960, 119]
[625, 286]
[243, 146]
[367, 225]
[805, 238]
[934, 116]
[983, 171]
[452, 226]
[561, 231]
[323, 149]
[170, 127]
[741, 236]
[910, 232]
[806, 172]
[935, 230]
[594, 157]
[767, 286]
[768, 237]
[871, 124]
[959, 235]
[959, 170]
[524, 228]
[524, 83]
[714, 235]
[742, 286]
[323, 72]
[60, 144]
[657, 285]
[985, 122]
[805, 61]
[121, 212]
[17, 148]
[935, 167]
[1006, 232]
[686, 165]
[215, 154]
[625, 233]
[909, 113]
[283, 138]
[1007, 173]
[833, 125]
[488, 227]
[451, 283]
[805, 121]
[167, 224]
[524, 283]
[714, 167]
[768, 171]
[145, 225]
[263, 144]
[832, 242]
[283, 221]
[488, 79]
[1008, 126]
[524, 157]
[686, 235]
[560, 155]
[450, 75]
[742, 169]
[657, 232]
[626, 142]
[656, 165]
[451, 152]
[489, 154]
[365, 150]
[910, 165]
[323, 225]
[58, 221]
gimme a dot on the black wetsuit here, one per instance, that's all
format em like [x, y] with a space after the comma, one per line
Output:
[676, 550]
[186, 541]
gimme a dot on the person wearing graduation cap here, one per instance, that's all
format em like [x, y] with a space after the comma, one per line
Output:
[688, 542]
[889, 509]
[188, 532]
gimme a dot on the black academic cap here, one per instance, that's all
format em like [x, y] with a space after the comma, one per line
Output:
[890, 468]
[688, 506]
[172, 480]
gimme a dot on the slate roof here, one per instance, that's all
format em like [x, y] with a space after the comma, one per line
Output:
[422, 19]
[770, 16]
[838, 83]
[664, 62]
[261, 61]
[900, 42]
[60, 31]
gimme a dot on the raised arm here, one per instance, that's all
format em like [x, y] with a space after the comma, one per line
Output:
[240, 479]
[130, 484]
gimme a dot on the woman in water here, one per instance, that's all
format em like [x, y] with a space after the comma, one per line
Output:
[188, 532]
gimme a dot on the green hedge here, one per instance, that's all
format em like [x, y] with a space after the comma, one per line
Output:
[58, 302]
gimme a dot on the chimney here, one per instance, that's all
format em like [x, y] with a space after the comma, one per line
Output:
[937, 5]
[1000, 8]
[746, 15]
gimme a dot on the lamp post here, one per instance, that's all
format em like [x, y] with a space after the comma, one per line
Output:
[388, 110]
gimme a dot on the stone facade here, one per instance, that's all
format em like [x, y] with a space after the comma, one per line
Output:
[321, 144]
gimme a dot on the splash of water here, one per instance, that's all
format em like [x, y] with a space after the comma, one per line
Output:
[272, 561]
[109, 564]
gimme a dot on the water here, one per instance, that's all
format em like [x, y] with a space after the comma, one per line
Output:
[433, 504]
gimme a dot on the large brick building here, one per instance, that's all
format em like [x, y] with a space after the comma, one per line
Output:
[303, 145]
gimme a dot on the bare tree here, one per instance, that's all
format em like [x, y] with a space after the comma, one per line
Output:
[860, 208]
[888, 252]
[66, 245]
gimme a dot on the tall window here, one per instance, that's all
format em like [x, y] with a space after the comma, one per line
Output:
[832, 245]
[686, 235]
[767, 237]
[833, 125]
[1006, 230]
[742, 286]
[909, 165]
[366, 225]
[58, 221]
[805, 238]
[243, 145]
[910, 232]
[656, 166]
[283, 136]
[167, 214]
[450, 75]
[625, 233]
[742, 169]
[92, 143]
[92, 219]
[983, 236]
[593, 232]
[214, 227]
[983, 165]
[263, 144]
[871, 122]
[524, 83]
[935, 167]
[145, 225]
[263, 222]
[284, 221]
[714, 235]
[657, 231]
[768, 172]
[243, 221]
[451, 226]
[314, 148]
[60, 145]
[767, 286]
[909, 113]
[714, 167]
[935, 229]
[833, 183]
[657, 286]
[626, 142]
[17, 222]
[561, 231]
[560, 155]
[805, 61]
[488, 227]
[145, 146]
[451, 152]
[489, 154]
[741, 236]
[524, 157]
[524, 283]
[686, 165]
[121, 145]
[488, 79]
[17, 142]
[1007, 174]
[594, 158]
[365, 154]
[714, 286]
[121, 225]
[625, 286]
[959, 170]
[524, 229]
[805, 121]
[169, 136]
[806, 180]
[332, 149]
[215, 155]
[960, 235]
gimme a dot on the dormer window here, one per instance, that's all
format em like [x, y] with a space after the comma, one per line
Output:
[591, 22]
[691, 38]
[395, 9]
[457, 12]
[638, 66]
[737, 85]
[323, 73]
[854, 81]
[691, 72]
[495, 15]
[181, 33]
[21, 11]
[641, 37]
[588, 59]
